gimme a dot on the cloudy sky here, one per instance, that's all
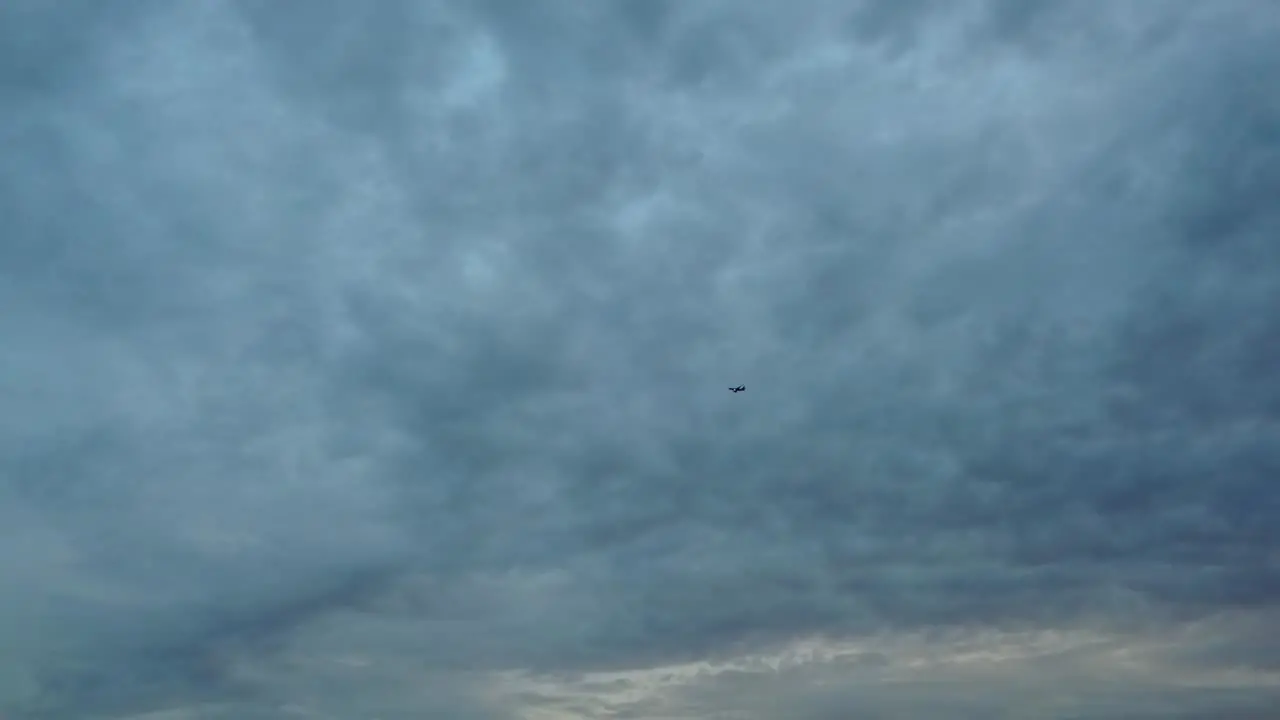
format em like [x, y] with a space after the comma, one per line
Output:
[370, 360]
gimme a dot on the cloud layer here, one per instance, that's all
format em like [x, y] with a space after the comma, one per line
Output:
[370, 360]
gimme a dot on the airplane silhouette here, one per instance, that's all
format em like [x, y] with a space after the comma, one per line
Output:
[738, 389]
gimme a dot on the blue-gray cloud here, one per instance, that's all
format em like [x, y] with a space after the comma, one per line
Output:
[404, 332]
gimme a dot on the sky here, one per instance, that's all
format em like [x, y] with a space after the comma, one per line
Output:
[371, 360]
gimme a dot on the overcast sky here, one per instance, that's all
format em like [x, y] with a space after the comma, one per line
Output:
[371, 360]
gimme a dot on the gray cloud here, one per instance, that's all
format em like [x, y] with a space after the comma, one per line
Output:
[358, 357]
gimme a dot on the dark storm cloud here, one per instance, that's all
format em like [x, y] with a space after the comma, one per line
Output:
[402, 333]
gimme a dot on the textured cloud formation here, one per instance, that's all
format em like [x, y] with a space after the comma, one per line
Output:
[370, 360]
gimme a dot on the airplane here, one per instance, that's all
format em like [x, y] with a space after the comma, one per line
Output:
[738, 389]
